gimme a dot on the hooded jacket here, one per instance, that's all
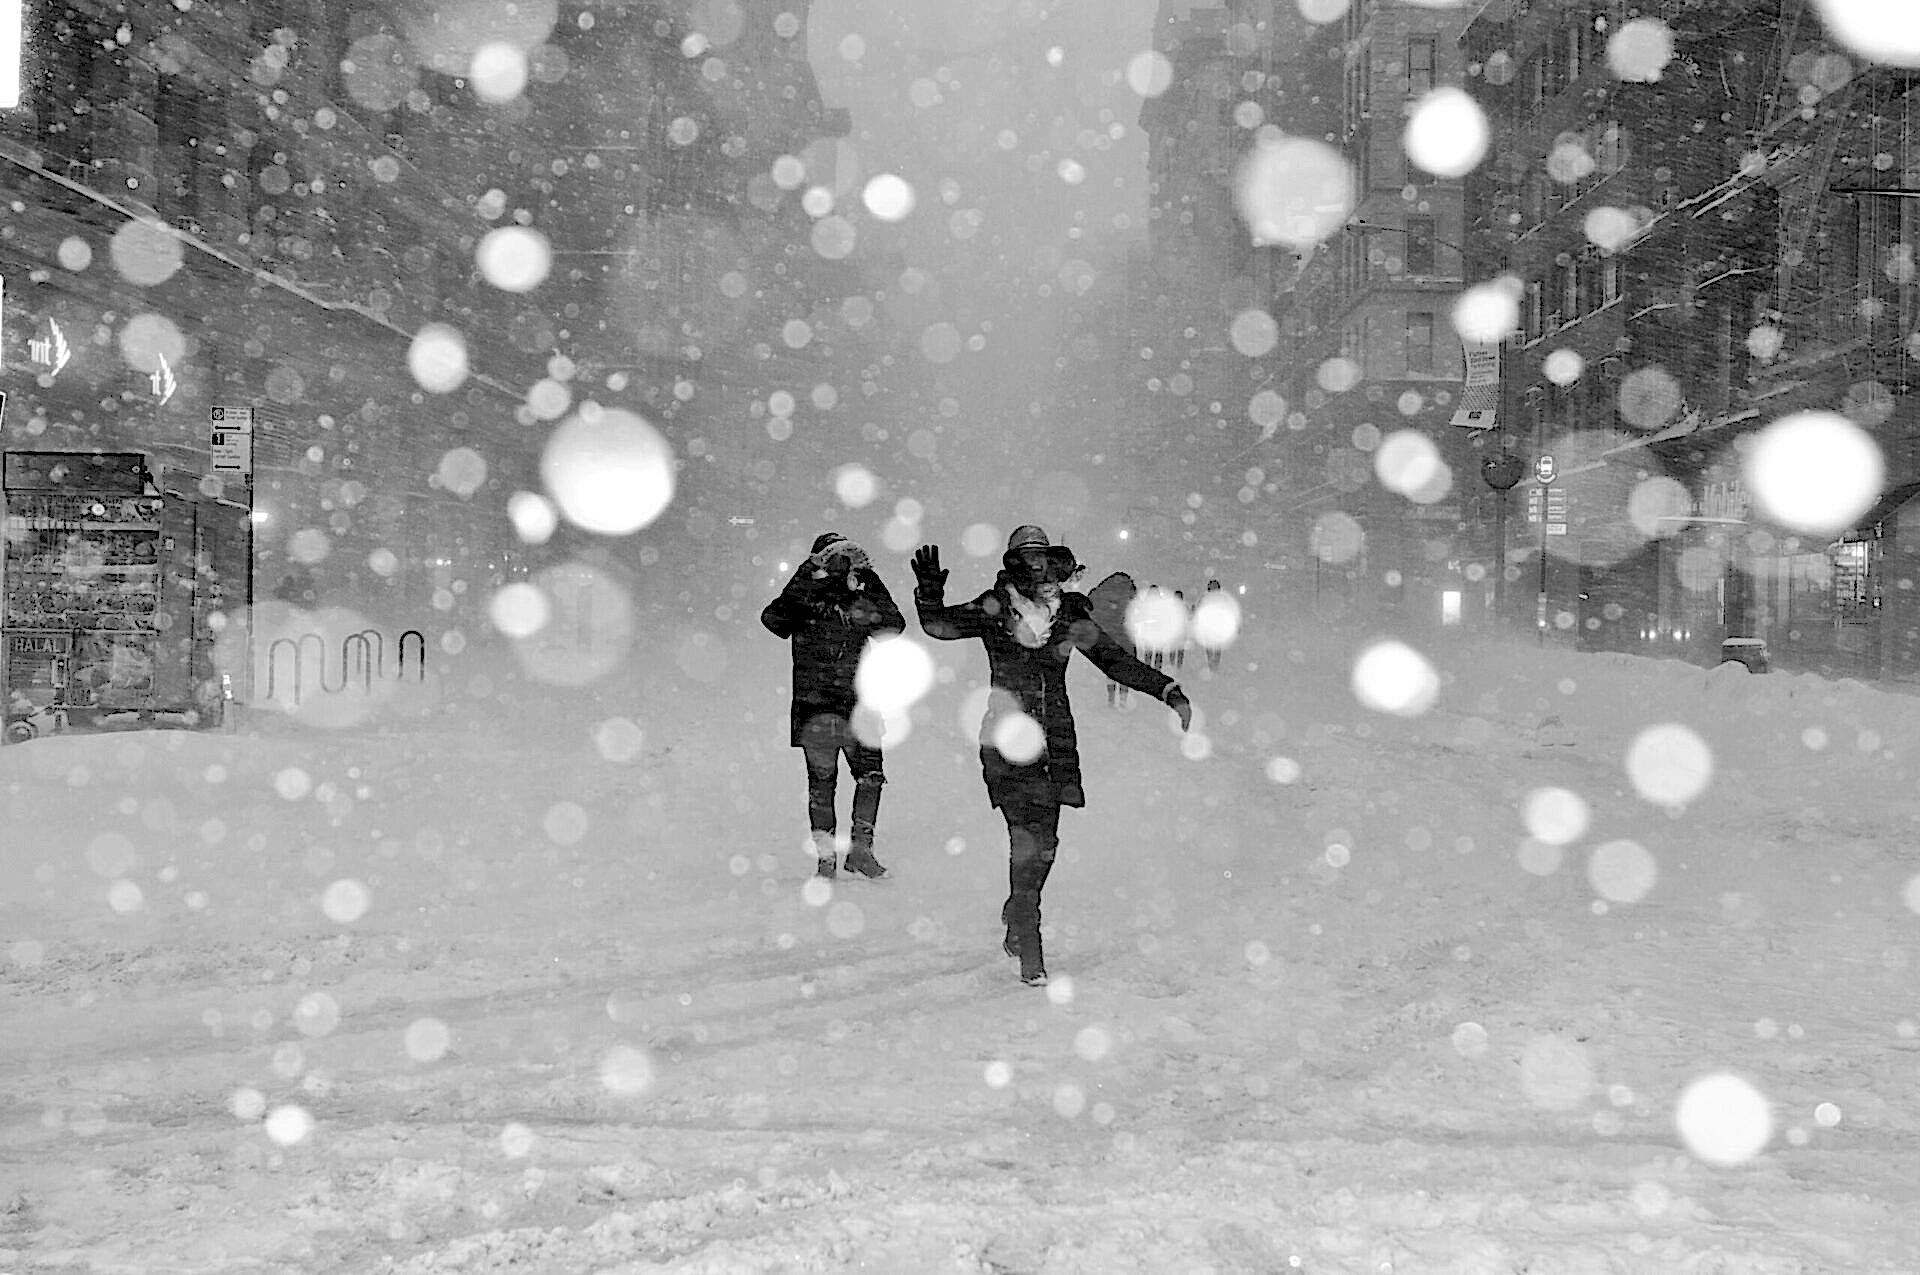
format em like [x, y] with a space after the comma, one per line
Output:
[1032, 680]
[829, 624]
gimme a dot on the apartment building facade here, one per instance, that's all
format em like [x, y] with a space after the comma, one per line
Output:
[1697, 254]
[1378, 354]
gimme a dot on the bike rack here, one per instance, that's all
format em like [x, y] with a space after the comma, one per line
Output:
[364, 652]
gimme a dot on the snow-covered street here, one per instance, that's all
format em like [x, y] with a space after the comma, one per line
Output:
[500, 983]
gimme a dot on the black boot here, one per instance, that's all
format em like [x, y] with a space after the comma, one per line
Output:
[860, 860]
[861, 849]
[1011, 944]
[1023, 922]
[823, 852]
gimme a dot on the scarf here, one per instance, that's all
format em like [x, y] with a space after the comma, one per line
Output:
[1033, 620]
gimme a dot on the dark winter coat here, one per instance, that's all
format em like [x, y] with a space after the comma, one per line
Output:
[829, 625]
[1033, 680]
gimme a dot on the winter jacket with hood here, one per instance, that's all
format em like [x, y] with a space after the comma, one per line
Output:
[829, 624]
[1033, 680]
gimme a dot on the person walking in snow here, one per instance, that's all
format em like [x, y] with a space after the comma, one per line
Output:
[1178, 653]
[1206, 633]
[1110, 600]
[831, 607]
[1029, 753]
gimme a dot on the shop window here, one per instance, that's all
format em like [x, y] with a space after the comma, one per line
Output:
[1852, 576]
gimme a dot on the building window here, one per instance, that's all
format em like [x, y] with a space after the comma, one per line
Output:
[1420, 58]
[1536, 316]
[1613, 149]
[1420, 354]
[1570, 292]
[1420, 246]
[1577, 33]
[1609, 280]
[177, 131]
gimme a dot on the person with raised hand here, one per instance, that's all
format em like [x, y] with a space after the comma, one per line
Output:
[1029, 752]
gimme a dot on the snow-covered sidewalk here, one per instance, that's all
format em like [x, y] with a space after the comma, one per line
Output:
[1502, 985]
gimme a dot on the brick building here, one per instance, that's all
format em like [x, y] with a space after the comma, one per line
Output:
[1377, 353]
[263, 204]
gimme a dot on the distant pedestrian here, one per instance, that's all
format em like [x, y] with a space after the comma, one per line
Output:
[1205, 626]
[1179, 651]
[1029, 752]
[1110, 600]
[1155, 643]
[831, 607]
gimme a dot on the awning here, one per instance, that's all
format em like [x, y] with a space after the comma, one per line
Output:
[1890, 499]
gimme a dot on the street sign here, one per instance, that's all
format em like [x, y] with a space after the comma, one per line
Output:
[1543, 468]
[231, 439]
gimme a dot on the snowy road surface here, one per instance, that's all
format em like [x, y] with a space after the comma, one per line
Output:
[479, 988]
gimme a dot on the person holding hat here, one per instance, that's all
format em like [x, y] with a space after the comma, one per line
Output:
[832, 606]
[1031, 626]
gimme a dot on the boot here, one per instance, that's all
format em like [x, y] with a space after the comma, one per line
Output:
[1023, 922]
[1033, 960]
[860, 851]
[1011, 944]
[860, 860]
[823, 853]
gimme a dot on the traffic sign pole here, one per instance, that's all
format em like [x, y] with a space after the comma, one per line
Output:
[1543, 470]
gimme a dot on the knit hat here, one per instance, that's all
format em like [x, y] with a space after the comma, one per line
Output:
[1027, 537]
[824, 539]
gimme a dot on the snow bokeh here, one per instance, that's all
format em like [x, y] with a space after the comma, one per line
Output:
[1433, 946]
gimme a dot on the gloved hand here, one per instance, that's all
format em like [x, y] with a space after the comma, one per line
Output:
[927, 571]
[1176, 699]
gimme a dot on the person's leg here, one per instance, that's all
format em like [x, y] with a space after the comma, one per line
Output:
[823, 765]
[869, 777]
[1032, 839]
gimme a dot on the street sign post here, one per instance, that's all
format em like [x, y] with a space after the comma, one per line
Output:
[1543, 470]
[230, 439]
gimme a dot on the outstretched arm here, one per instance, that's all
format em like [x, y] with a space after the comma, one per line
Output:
[1122, 666]
[937, 619]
